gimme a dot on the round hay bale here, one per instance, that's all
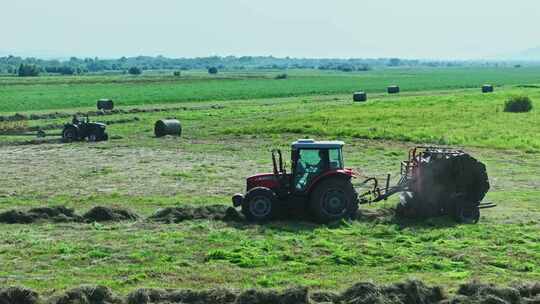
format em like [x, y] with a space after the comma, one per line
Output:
[105, 104]
[393, 89]
[487, 88]
[167, 127]
[360, 96]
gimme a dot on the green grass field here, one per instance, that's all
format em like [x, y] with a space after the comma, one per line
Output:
[49, 93]
[221, 145]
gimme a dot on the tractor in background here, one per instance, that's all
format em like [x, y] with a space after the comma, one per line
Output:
[84, 129]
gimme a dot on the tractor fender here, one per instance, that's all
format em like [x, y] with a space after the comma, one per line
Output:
[72, 126]
[342, 173]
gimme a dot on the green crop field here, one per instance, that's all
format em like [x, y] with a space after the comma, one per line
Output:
[230, 123]
[49, 93]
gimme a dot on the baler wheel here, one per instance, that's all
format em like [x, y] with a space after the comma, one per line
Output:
[468, 215]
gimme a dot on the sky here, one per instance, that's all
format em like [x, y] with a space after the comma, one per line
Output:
[424, 29]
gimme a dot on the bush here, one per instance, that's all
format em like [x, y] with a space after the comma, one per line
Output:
[518, 104]
[177, 73]
[135, 71]
[212, 70]
[28, 70]
[282, 76]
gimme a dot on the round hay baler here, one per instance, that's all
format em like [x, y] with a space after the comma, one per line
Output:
[439, 181]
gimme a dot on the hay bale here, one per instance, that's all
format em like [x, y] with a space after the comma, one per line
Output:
[487, 88]
[393, 89]
[105, 104]
[518, 104]
[167, 127]
[360, 96]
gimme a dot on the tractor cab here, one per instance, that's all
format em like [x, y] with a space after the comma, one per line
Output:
[312, 160]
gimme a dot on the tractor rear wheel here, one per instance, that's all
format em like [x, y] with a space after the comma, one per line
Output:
[332, 200]
[259, 204]
[92, 137]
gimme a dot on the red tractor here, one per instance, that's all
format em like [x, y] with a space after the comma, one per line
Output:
[318, 181]
[434, 181]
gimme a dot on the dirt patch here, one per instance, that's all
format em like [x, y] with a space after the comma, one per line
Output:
[185, 213]
[56, 214]
[18, 295]
[109, 214]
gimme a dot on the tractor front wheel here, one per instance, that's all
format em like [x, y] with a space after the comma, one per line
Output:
[69, 135]
[259, 204]
[332, 200]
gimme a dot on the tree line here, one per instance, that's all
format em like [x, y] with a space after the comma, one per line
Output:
[136, 65]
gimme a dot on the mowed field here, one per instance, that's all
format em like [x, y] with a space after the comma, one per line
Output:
[230, 124]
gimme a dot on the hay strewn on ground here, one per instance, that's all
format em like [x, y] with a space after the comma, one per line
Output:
[409, 292]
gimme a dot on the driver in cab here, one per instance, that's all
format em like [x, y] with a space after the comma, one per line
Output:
[311, 163]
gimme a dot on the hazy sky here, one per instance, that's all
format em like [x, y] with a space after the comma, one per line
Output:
[299, 28]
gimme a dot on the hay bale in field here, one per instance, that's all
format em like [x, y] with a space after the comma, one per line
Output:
[360, 96]
[393, 89]
[105, 104]
[167, 127]
[487, 88]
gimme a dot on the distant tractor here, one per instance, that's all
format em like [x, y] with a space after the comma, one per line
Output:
[434, 182]
[83, 129]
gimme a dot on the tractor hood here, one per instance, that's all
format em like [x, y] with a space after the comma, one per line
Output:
[261, 177]
[98, 124]
[267, 180]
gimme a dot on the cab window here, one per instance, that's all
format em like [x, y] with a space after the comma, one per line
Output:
[336, 159]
